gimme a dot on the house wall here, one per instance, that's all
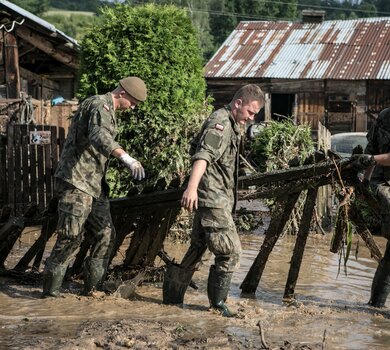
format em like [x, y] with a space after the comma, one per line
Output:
[378, 98]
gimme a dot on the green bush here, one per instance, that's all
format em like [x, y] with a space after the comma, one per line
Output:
[159, 44]
[281, 142]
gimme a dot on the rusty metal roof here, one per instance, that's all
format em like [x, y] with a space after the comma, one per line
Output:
[348, 50]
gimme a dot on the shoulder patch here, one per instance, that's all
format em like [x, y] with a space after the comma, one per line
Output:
[106, 107]
[219, 127]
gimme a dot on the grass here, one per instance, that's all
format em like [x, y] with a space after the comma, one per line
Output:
[67, 12]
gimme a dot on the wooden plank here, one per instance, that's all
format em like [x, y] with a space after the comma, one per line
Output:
[26, 186]
[18, 170]
[61, 140]
[54, 149]
[33, 169]
[48, 228]
[167, 221]
[11, 161]
[48, 170]
[326, 168]
[11, 65]
[41, 174]
[9, 233]
[3, 173]
[54, 156]
[300, 243]
[281, 214]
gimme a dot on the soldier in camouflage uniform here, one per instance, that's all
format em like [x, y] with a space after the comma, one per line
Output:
[376, 161]
[211, 191]
[81, 188]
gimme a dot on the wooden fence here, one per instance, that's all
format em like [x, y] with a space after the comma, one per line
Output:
[28, 157]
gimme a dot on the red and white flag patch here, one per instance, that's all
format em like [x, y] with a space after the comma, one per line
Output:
[106, 107]
[219, 127]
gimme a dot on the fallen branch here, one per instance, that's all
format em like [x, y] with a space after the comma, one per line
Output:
[262, 338]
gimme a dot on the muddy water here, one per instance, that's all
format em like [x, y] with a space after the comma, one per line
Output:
[329, 303]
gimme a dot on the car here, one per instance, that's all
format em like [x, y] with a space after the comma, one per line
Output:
[345, 142]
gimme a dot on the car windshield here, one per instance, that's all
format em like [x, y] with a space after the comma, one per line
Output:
[344, 143]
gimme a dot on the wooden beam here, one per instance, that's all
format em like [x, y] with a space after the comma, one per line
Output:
[280, 215]
[26, 74]
[12, 78]
[47, 47]
[300, 243]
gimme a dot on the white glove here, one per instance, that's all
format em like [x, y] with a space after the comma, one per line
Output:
[135, 167]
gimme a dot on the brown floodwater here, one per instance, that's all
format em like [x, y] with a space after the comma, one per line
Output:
[331, 301]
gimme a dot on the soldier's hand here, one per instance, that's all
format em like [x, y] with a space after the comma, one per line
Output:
[362, 161]
[189, 200]
[135, 167]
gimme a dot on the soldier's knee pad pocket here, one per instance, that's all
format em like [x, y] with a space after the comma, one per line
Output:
[70, 220]
[220, 243]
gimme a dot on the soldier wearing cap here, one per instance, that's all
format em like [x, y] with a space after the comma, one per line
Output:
[81, 188]
[211, 191]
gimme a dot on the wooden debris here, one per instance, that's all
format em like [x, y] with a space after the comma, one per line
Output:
[300, 243]
[280, 215]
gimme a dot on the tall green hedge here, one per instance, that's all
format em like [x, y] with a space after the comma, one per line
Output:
[159, 44]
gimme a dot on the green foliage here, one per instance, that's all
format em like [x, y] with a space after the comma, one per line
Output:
[37, 7]
[74, 25]
[158, 44]
[199, 14]
[281, 142]
[370, 218]
[77, 5]
[246, 220]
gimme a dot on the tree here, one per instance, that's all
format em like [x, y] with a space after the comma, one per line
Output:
[37, 7]
[383, 6]
[158, 44]
[74, 24]
[222, 19]
[77, 5]
[369, 10]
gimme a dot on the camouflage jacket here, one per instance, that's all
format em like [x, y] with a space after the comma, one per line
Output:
[379, 142]
[90, 141]
[218, 144]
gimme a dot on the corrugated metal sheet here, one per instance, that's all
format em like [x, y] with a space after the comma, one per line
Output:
[28, 15]
[348, 50]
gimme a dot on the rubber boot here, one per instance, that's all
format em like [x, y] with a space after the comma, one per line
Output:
[176, 281]
[94, 271]
[52, 280]
[380, 288]
[217, 290]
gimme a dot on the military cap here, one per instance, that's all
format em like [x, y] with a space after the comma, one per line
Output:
[135, 87]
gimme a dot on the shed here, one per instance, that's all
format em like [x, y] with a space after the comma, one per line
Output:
[37, 63]
[35, 57]
[333, 72]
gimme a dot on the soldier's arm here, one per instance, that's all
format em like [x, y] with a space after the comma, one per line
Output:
[101, 132]
[189, 200]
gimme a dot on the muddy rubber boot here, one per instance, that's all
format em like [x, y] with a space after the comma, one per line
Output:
[217, 290]
[94, 272]
[380, 288]
[176, 281]
[52, 280]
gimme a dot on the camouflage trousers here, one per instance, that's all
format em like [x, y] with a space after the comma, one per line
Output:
[214, 229]
[80, 213]
[382, 193]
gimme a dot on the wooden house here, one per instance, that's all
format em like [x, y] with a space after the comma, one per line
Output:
[333, 72]
[37, 64]
[35, 58]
